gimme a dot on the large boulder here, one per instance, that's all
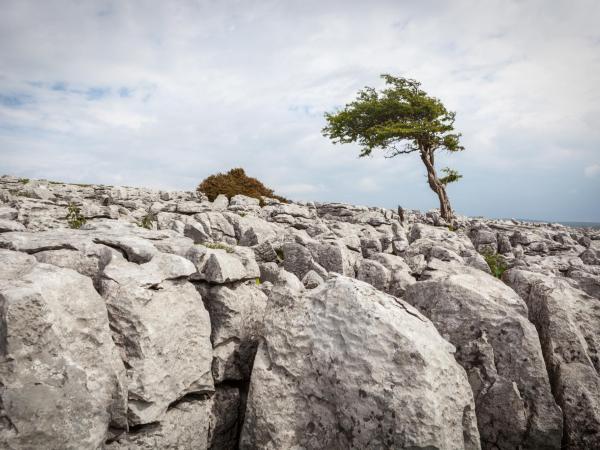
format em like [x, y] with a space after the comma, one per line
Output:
[500, 350]
[61, 376]
[162, 330]
[347, 366]
[568, 323]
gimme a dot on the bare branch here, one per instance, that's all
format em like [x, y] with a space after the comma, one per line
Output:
[397, 151]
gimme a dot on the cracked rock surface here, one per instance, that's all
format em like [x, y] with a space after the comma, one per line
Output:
[169, 321]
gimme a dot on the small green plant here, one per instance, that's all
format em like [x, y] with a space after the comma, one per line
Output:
[451, 228]
[496, 263]
[218, 246]
[147, 220]
[23, 180]
[450, 177]
[74, 217]
[258, 282]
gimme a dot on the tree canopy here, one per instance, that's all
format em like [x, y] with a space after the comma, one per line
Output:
[399, 119]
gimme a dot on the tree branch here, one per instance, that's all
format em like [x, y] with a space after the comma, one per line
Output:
[396, 151]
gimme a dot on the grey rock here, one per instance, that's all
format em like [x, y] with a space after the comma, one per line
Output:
[137, 249]
[312, 280]
[334, 256]
[192, 207]
[217, 227]
[236, 314]
[504, 245]
[296, 259]
[265, 252]
[484, 239]
[195, 231]
[488, 323]
[162, 331]
[10, 225]
[192, 423]
[568, 322]
[242, 200]
[323, 379]
[221, 202]
[8, 213]
[60, 366]
[222, 266]
[375, 274]
[591, 256]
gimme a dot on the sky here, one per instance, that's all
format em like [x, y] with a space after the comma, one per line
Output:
[162, 94]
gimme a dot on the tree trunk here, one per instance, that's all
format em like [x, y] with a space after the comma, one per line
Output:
[436, 186]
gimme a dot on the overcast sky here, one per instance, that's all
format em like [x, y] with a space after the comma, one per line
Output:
[162, 94]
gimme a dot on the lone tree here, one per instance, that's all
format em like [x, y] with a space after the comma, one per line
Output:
[400, 119]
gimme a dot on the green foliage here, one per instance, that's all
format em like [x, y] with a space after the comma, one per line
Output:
[450, 176]
[74, 217]
[258, 282]
[218, 246]
[23, 180]
[496, 262]
[402, 113]
[236, 182]
[147, 220]
[452, 228]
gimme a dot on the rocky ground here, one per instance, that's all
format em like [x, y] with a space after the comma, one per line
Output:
[170, 322]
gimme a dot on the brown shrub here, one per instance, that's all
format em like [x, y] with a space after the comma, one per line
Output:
[236, 182]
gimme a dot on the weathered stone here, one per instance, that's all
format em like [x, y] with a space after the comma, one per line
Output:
[568, 323]
[137, 249]
[346, 366]
[242, 200]
[10, 225]
[222, 266]
[195, 231]
[217, 227]
[296, 259]
[504, 245]
[221, 202]
[500, 350]
[191, 207]
[334, 256]
[265, 252]
[375, 274]
[162, 331]
[236, 314]
[8, 213]
[312, 280]
[61, 375]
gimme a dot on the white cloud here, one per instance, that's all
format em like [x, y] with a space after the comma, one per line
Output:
[368, 184]
[297, 189]
[592, 170]
[214, 85]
